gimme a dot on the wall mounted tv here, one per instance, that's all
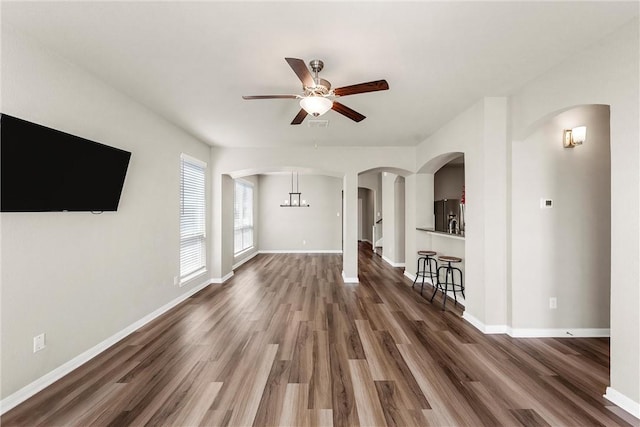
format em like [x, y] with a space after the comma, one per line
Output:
[46, 170]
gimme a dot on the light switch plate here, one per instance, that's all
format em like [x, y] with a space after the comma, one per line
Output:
[38, 343]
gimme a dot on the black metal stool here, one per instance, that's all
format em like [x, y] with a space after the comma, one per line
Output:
[449, 271]
[429, 268]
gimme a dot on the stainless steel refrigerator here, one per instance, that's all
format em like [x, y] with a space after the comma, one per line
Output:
[445, 211]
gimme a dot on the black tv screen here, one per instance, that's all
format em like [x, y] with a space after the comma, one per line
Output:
[46, 170]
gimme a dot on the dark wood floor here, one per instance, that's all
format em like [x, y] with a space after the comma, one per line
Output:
[285, 342]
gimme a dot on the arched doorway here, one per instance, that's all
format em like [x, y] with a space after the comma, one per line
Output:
[385, 213]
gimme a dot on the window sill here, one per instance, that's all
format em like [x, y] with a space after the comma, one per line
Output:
[189, 277]
[243, 252]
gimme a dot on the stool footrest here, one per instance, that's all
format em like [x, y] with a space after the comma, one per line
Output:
[427, 268]
[449, 282]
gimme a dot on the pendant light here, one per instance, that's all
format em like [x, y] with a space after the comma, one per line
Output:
[295, 197]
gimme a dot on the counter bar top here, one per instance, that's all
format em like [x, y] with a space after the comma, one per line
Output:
[441, 233]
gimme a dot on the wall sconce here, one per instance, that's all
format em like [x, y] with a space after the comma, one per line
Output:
[575, 136]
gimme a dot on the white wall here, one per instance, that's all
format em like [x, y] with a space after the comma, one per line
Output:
[569, 244]
[463, 134]
[349, 227]
[606, 73]
[399, 207]
[495, 164]
[81, 278]
[313, 229]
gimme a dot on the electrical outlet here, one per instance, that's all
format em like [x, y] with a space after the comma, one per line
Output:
[176, 280]
[553, 303]
[304, 242]
[38, 343]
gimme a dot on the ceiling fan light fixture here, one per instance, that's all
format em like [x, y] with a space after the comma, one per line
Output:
[318, 95]
[316, 105]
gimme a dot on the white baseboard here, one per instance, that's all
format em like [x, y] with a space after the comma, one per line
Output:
[346, 279]
[409, 276]
[391, 263]
[559, 333]
[46, 380]
[485, 329]
[537, 332]
[295, 251]
[623, 402]
[218, 280]
[611, 394]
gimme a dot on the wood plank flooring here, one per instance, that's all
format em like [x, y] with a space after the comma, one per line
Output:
[286, 342]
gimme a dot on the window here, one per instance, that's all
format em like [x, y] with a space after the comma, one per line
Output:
[192, 218]
[243, 216]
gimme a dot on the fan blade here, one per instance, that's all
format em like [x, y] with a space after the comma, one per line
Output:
[269, 96]
[348, 112]
[301, 70]
[300, 117]
[362, 88]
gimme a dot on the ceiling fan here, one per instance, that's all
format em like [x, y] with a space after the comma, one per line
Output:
[318, 95]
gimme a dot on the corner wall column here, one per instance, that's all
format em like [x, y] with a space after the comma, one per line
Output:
[388, 217]
[350, 228]
[419, 213]
[221, 237]
[410, 225]
[495, 212]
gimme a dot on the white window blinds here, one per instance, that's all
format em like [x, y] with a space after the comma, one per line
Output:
[243, 216]
[192, 218]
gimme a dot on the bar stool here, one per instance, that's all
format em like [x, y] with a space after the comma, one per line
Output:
[429, 268]
[449, 272]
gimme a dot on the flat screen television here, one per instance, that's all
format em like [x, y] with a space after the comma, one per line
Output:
[46, 170]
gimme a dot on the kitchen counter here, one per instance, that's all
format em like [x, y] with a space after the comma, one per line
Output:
[427, 238]
[441, 233]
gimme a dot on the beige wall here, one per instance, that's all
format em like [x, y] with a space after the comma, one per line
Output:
[365, 231]
[77, 277]
[314, 229]
[569, 244]
[463, 134]
[389, 232]
[344, 162]
[608, 75]
[373, 181]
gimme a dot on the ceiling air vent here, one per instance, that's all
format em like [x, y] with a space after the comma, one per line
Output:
[318, 123]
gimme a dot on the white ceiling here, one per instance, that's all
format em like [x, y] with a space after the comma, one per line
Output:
[192, 61]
